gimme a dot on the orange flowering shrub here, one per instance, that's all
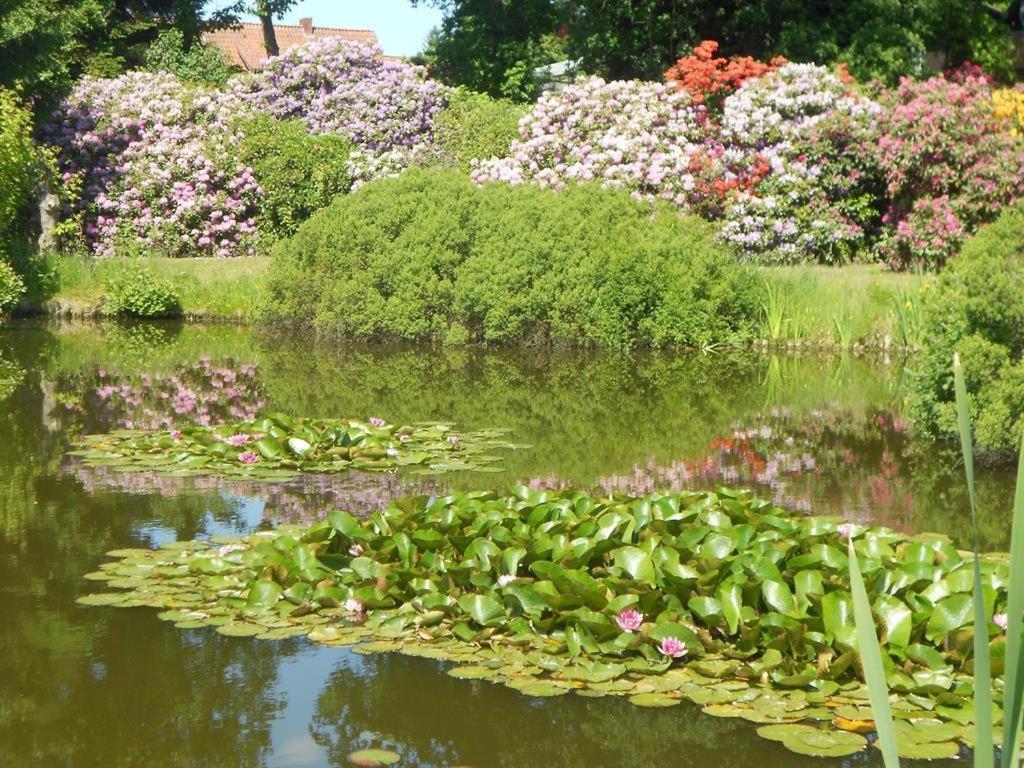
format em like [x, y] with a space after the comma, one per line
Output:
[708, 78]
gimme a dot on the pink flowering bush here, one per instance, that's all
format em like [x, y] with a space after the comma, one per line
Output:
[154, 162]
[386, 108]
[950, 165]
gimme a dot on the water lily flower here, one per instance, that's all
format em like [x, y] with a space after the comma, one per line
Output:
[392, 451]
[453, 439]
[403, 438]
[505, 579]
[356, 550]
[629, 620]
[376, 422]
[846, 530]
[1001, 620]
[237, 440]
[249, 457]
[227, 549]
[673, 647]
[353, 606]
[176, 434]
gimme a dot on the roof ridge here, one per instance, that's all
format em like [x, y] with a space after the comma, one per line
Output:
[296, 26]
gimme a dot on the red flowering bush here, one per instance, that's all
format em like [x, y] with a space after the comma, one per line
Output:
[709, 79]
[950, 165]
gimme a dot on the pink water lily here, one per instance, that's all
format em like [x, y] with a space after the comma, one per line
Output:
[629, 620]
[176, 434]
[846, 530]
[453, 439]
[1001, 620]
[353, 606]
[249, 457]
[356, 550]
[672, 647]
[237, 441]
[376, 422]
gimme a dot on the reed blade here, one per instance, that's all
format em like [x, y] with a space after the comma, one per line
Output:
[1013, 690]
[871, 660]
[984, 737]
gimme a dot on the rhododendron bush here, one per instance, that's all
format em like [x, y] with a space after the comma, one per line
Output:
[150, 163]
[950, 165]
[154, 164]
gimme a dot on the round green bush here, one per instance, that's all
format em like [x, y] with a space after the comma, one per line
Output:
[976, 308]
[137, 292]
[473, 126]
[298, 173]
[17, 158]
[12, 288]
[430, 255]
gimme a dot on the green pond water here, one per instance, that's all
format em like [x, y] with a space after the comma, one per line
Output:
[102, 687]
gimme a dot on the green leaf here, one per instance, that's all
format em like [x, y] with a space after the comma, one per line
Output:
[635, 562]
[871, 660]
[483, 609]
[1014, 671]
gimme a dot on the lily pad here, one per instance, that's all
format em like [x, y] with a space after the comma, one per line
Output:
[374, 757]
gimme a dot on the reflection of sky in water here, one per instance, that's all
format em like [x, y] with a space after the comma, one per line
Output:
[291, 742]
[248, 515]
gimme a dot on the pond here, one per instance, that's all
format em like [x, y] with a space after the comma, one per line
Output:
[93, 686]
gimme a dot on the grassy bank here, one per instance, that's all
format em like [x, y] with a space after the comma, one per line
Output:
[862, 305]
[210, 289]
[804, 306]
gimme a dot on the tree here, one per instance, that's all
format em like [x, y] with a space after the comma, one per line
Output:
[266, 10]
[494, 46]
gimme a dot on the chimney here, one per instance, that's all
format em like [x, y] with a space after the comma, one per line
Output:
[307, 27]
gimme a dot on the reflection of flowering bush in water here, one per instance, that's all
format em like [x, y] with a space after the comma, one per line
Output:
[197, 393]
[305, 499]
[828, 462]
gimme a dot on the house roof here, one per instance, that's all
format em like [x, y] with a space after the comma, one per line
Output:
[242, 44]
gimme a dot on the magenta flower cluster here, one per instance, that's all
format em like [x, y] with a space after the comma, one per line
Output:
[156, 167]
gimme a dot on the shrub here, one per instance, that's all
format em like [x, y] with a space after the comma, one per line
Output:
[977, 309]
[17, 158]
[430, 255]
[1008, 105]
[156, 163]
[12, 288]
[199, 64]
[137, 292]
[382, 106]
[475, 126]
[950, 165]
[709, 78]
[298, 172]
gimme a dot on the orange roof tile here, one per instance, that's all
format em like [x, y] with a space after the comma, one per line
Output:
[243, 44]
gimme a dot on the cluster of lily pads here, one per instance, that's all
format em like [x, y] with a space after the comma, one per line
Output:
[717, 598]
[279, 447]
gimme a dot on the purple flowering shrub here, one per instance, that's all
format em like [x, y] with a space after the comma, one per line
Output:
[385, 108]
[155, 165]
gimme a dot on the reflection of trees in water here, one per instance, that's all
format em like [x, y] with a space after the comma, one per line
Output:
[435, 721]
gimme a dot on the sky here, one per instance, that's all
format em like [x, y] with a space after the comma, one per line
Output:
[400, 28]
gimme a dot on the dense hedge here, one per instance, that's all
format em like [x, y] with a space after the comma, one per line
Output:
[977, 309]
[298, 172]
[473, 126]
[430, 255]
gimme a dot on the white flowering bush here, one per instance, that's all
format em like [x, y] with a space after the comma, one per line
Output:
[647, 138]
[154, 164]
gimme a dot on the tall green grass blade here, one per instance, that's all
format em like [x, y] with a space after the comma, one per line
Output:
[983, 756]
[1013, 691]
[871, 660]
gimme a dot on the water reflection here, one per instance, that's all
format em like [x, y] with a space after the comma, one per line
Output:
[86, 686]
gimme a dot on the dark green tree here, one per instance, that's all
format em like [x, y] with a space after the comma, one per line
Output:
[494, 46]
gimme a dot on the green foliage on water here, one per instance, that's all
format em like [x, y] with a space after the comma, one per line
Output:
[278, 447]
[717, 598]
